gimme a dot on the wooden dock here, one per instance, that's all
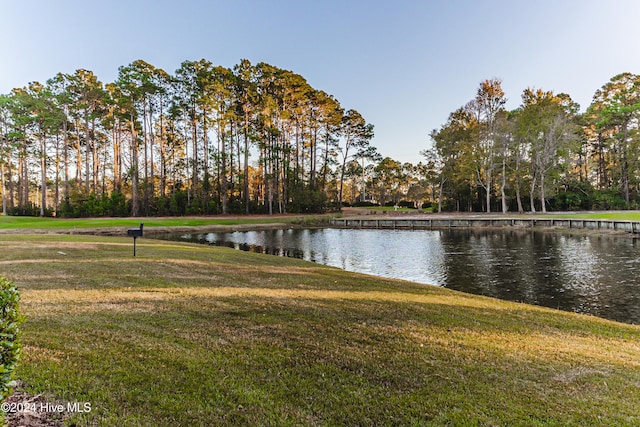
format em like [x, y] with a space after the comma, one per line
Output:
[399, 223]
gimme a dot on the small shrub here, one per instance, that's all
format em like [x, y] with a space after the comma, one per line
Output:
[407, 204]
[9, 329]
[312, 221]
[608, 200]
[307, 200]
[365, 204]
[30, 209]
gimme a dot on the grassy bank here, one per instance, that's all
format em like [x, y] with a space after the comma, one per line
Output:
[198, 336]
[617, 216]
[60, 224]
[36, 223]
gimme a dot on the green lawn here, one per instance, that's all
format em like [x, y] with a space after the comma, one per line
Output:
[390, 209]
[188, 335]
[619, 215]
[35, 223]
[21, 222]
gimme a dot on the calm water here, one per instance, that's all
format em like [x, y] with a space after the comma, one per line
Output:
[598, 275]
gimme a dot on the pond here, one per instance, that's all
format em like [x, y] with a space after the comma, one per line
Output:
[597, 275]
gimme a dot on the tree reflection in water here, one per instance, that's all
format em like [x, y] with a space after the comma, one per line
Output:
[598, 275]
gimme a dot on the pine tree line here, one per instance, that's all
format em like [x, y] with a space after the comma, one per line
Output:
[203, 140]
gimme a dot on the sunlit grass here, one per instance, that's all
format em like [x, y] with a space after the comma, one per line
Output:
[197, 335]
[617, 215]
[36, 223]
[21, 222]
[620, 215]
[389, 209]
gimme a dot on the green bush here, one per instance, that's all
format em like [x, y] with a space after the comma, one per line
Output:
[9, 329]
[608, 199]
[365, 204]
[30, 209]
[407, 204]
[306, 200]
[576, 196]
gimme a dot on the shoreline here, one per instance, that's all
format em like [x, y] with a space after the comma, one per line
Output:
[404, 221]
[492, 221]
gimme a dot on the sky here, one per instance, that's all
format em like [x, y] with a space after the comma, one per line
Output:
[405, 65]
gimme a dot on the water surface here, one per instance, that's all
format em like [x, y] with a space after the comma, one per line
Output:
[598, 275]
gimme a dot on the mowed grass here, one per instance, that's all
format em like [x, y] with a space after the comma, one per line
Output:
[611, 215]
[53, 224]
[187, 335]
[37, 223]
[617, 215]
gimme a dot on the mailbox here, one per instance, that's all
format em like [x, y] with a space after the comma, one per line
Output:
[135, 233]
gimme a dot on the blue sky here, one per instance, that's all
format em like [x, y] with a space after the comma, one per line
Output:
[403, 64]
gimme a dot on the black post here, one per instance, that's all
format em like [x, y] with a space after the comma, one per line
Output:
[135, 233]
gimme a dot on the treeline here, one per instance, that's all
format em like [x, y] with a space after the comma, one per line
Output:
[259, 139]
[544, 155]
[203, 140]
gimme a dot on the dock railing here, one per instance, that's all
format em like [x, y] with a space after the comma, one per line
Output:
[440, 223]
